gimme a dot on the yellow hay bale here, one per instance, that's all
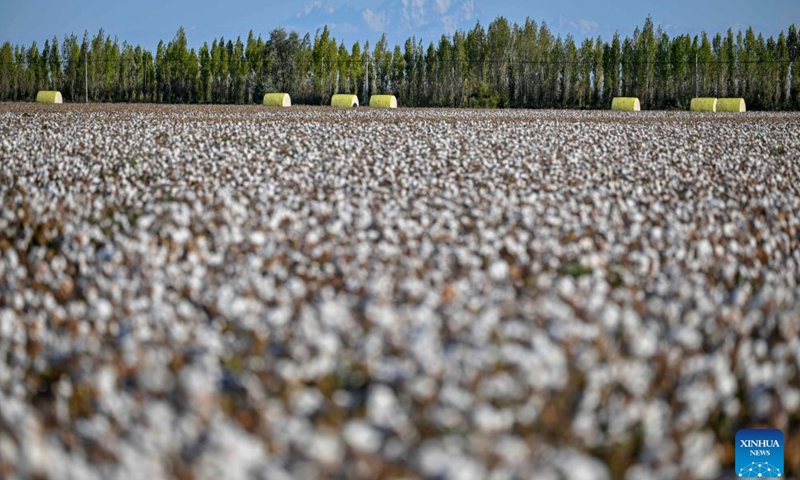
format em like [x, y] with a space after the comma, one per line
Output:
[625, 104]
[277, 100]
[382, 101]
[731, 105]
[703, 104]
[344, 100]
[49, 96]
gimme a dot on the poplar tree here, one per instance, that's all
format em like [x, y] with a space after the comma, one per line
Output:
[508, 64]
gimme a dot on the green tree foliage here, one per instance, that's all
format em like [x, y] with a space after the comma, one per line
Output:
[505, 65]
[355, 71]
[499, 46]
[612, 56]
[793, 76]
[8, 72]
[324, 55]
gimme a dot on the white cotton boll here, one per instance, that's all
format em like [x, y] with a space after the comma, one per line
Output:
[700, 458]
[326, 449]
[361, 436]
[498, 270]
[307, 401]
[513, 450]
[489, 419]
[103, 309]
[575, 465]
[258, 238]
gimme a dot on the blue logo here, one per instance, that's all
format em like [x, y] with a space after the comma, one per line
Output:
[759, 453]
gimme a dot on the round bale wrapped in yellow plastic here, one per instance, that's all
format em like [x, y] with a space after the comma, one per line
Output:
[625, 104]
[382, 101]
[49, 96]
[344, 100]
[703, 104]
[736, 105]
[277, 100]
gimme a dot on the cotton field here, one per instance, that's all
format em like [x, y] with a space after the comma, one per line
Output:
[197, 292]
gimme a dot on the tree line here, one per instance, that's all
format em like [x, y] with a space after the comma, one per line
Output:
[504, 65]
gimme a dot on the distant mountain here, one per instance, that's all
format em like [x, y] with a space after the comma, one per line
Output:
[399, 19]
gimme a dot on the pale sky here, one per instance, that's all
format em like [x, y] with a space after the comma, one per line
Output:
[145, 22]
